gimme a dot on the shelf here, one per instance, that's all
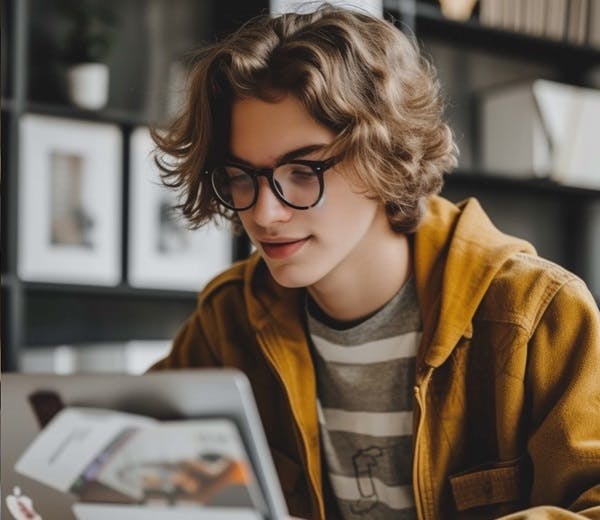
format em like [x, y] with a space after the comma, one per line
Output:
[123, 291]
[431, 23]
[66, 316]
[119, 291]
[108, 115]
[461, 178]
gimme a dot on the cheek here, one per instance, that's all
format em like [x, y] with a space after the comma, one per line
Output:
[342, 215]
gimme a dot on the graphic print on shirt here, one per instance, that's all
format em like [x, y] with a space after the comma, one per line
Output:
[364, 461]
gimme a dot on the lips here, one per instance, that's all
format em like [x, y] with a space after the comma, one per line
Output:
[282, 248]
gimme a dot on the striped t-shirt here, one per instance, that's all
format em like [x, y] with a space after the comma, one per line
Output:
[365, 377]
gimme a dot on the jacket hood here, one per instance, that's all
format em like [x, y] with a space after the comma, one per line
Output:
[457, 253]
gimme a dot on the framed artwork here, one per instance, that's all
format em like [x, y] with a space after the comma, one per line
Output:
[163, 252]
[70, 199]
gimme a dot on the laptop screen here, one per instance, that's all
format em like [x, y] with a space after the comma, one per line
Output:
[72, 447]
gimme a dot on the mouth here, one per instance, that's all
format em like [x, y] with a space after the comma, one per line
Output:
[283, 249]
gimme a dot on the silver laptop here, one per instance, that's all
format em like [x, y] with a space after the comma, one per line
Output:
[32, 402]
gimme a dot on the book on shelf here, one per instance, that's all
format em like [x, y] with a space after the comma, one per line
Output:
[506, 11]
[573, 21]
[556, 16]
[126, 463]
[540, 18]
[594, 25]
[577, 21]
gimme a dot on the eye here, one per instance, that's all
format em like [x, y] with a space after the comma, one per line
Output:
[296, 172]
[237, 176]
[302, 174]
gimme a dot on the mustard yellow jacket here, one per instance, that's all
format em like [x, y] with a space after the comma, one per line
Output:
[507, 393]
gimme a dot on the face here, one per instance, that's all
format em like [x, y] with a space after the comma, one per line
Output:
[326, 244]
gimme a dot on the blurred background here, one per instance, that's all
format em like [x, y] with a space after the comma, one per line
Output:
[98, 273]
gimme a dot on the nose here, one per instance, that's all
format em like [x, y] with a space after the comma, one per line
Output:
[268, 209]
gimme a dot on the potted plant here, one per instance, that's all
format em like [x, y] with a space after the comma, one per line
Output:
[89, 33]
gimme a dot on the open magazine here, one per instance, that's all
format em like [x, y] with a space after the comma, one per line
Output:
[104, 456]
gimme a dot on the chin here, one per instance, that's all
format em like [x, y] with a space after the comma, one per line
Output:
[292, 277]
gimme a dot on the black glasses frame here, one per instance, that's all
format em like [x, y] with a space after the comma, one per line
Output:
[318, 168]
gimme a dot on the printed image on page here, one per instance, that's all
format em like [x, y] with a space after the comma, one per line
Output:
[195, 462]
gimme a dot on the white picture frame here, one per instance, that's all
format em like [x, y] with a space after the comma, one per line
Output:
[163, 252]
[70, 201]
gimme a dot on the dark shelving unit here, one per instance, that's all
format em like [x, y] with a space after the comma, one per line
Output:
[532, 185]
[46, 314]
[77, 315]
[560, 220]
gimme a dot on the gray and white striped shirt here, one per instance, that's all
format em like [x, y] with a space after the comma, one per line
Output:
[365, 377]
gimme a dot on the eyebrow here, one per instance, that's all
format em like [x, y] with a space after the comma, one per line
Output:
[286, 157]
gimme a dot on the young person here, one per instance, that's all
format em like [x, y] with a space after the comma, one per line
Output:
[408, 359]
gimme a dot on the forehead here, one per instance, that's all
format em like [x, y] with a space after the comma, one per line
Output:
[262, 131]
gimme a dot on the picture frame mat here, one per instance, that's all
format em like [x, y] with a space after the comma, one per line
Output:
[47, 145]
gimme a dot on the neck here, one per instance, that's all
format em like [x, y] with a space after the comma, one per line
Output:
[368, 281]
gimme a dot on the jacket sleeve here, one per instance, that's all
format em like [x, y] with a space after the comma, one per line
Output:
[190, 348]
[563, 379]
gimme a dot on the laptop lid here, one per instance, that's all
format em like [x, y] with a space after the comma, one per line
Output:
[176, 395]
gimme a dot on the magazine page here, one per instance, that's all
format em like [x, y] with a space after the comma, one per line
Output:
[63, 450]
[103, 456]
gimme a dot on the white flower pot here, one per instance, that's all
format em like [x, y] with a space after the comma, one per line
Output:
[88, 85]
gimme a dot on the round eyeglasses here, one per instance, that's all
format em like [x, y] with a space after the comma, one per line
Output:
[298, 183]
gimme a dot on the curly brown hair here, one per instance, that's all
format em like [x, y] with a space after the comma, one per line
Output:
[354, 73]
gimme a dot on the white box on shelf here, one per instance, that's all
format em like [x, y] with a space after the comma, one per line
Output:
[132, 357]
[542, 129]
[375, 7]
